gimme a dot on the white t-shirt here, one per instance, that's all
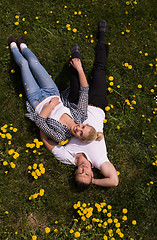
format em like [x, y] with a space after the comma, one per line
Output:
[94, 151]
[57, 112]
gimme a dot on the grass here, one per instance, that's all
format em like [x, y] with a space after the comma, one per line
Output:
[131, 148]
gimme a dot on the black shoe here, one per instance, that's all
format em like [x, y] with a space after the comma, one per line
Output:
[75, 51]
[102, 26]
[20, 40]
[11, 39]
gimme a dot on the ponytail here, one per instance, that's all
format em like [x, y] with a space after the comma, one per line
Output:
[93, 135]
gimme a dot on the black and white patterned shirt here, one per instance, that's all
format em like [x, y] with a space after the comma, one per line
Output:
[52, 128]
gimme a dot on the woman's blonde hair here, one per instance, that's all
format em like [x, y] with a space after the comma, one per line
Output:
[93, 135]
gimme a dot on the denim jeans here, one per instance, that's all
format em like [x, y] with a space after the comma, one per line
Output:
[36, 91]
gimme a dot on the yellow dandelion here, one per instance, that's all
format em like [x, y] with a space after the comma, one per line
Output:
[23, 19]
[126, 64]
[74, 30]
[111, 83]
[124, 210]
[122, 33]
[118, 127]
[146, 54]
[20, 95]
[12, 165]
[92, 41]
[77, 234]
[71, 231]
[105, 121]
[124, 218]
[79, 12]
[111, 78]
[134, 222]
[57, 21]
[118, 173]
[17, 16]
[75, 13]
[107, 108]
[12, 71]
[34, 237]
[16, 23]
[139, 86]
[152, 90]
[47, 230]
[25, 32]
[130, 67]
[5, 163]
[36, 17]
[127, 30]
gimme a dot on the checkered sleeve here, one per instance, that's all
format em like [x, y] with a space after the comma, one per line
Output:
[53, 133]
[83, 100]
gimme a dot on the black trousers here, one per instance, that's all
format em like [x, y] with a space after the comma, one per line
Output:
[97, 85]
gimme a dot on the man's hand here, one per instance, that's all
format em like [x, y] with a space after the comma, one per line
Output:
[49, 144]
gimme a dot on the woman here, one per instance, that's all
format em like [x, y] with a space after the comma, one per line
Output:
[57, 118]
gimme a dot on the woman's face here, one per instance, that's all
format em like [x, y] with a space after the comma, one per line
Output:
[81, 131]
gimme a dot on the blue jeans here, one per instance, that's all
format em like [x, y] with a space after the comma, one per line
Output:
[36, 91]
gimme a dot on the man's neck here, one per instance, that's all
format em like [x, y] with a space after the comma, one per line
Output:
[80, 158]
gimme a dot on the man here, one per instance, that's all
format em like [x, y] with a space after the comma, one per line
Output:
[87, 155]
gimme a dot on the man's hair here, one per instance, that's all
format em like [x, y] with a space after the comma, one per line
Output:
[83, 186]
[93, 135]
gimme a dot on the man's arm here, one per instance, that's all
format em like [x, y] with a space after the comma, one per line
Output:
[49, 144]
[110, 174]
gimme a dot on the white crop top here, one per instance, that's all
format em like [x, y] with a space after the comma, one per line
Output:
[57, 112]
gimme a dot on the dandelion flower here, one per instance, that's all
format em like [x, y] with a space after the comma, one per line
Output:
[16, 23]
[107, 108]
[12, 71]
[47, 230]
[74, 30]
[139, 86]
[111, 78]
[5, 163]
[77, 234]
[134, 222]
[34, 237]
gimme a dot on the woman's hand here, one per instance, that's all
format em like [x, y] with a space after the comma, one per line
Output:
[49, 106]
[76, 63]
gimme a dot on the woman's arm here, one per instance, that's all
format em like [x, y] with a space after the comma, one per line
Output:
[48, 107]
[76, 63]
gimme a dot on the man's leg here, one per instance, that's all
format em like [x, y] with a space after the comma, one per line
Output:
[74, 78]
[98, 85]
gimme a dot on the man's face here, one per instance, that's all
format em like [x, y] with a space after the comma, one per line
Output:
[84, 172]
[81, 131]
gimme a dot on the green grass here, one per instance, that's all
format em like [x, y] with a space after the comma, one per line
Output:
[132, 148]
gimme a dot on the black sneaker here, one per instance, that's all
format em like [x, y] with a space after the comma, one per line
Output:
[20, 40]
[11, 39]
[75, 51]
[102, 26]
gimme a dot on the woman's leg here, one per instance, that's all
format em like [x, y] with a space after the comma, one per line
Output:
[98, 85]
[32, 89]
[47, 85]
